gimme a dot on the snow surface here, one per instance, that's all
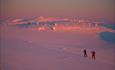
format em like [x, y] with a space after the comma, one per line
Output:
[25, 49]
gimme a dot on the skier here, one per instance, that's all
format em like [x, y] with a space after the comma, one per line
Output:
[85, 53]
[93, 54]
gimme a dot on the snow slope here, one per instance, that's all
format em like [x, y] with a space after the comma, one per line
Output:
[25, 49]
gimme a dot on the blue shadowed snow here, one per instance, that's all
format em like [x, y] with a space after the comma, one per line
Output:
[108, 36]
[27, 24]
[112, 26]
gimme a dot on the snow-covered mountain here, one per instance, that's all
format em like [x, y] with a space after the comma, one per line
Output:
[59, 24]
[44, 43]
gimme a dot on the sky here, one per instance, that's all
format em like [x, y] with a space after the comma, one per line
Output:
[58, 8]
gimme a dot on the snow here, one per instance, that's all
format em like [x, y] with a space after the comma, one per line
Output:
[27, 49]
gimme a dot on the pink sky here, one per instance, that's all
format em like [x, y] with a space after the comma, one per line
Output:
[60, 8]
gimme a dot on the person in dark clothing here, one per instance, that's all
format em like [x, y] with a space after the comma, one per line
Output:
[85, 53]
[93, 54]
